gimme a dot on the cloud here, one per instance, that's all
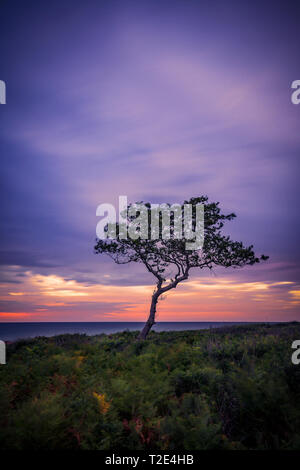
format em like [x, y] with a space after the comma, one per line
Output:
[44, 297]
[160, 107]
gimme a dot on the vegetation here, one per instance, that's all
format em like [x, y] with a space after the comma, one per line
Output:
[228, 388]
[170, 257]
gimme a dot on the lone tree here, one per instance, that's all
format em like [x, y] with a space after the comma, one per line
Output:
[169, 260]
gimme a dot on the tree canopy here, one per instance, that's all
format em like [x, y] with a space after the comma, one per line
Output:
[169, 260]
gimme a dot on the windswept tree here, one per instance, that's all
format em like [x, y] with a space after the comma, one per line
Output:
[167, 257]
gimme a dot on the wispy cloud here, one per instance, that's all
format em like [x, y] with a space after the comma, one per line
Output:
[157, 104]
[200, 297]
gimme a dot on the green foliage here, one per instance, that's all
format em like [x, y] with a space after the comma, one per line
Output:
[160, 254]
[228, 388]
[168, 257]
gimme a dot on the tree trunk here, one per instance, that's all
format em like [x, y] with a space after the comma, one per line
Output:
[151, 319]
[159, 290]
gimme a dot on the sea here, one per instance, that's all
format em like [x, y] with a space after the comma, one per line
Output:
[14, 331]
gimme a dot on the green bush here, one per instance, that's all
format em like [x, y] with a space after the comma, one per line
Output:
[228, 388]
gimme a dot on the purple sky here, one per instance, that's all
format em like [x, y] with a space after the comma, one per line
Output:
[159, 101]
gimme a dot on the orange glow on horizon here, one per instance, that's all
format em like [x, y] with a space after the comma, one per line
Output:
[14, 315]
[53, 298]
